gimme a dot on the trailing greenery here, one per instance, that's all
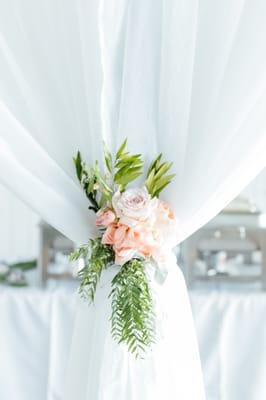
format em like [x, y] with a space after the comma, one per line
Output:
[132, 316]
[97, 257]
[157, 179]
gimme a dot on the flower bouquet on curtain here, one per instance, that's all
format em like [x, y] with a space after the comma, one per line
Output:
[136, 229]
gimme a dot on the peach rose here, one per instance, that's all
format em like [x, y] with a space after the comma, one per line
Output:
[123, 255]
[105, 217]
[166, 227]
[109, 235]
[120, 235]
[165, 210]
[129, 243]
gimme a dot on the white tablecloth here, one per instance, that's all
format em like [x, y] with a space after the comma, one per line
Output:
[36, 328]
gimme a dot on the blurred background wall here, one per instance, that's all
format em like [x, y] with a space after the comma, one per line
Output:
[18, 229]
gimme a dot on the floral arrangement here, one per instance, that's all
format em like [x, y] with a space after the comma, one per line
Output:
[135, 228]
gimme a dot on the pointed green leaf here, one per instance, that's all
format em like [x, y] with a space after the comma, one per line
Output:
[124, 180]
[78, 165]
[163, 169]
[121, 149]
[163, 182]
[153, 163]
[108, 158]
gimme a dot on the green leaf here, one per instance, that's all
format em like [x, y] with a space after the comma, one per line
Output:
[78, 165]
[121, 149]
[163, 169]
[162, 182]
[127, 178]
[25, 266]
[128, 167]
[153, 164]
[108, 158]
[149, 181]
[127, 170]
[129, 159]
[156, 179]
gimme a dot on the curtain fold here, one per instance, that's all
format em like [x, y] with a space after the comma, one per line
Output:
[185, 77]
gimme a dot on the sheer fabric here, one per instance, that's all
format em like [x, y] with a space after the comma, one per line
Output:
[185, 77]
[100, 369]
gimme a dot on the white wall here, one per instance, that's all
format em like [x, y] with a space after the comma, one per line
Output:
[18, 229]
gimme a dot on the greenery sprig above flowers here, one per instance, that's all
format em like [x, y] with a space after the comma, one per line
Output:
[135, 228]
[157, 180]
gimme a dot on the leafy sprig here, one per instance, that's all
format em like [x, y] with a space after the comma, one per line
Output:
[132, 316]
[93, 182]
[157, 179]
[125, 168]
[97, 257]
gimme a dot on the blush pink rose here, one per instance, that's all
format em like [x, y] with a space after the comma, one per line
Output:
[105, 217]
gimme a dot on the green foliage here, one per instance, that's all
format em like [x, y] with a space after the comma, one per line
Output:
[24, 266]
[108, 159]
[127, 168]
[132, 316]
[157, 179]
[97, 257]
[93, 182]
[121, 170]
[78, 164]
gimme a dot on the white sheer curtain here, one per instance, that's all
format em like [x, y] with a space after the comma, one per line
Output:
[185, 77]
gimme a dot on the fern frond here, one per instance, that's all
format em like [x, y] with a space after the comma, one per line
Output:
[132, 318]
[97, 257]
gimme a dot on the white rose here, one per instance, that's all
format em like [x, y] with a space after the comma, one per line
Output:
[134, 206]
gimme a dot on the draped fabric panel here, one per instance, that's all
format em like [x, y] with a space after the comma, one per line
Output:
[185, 77]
